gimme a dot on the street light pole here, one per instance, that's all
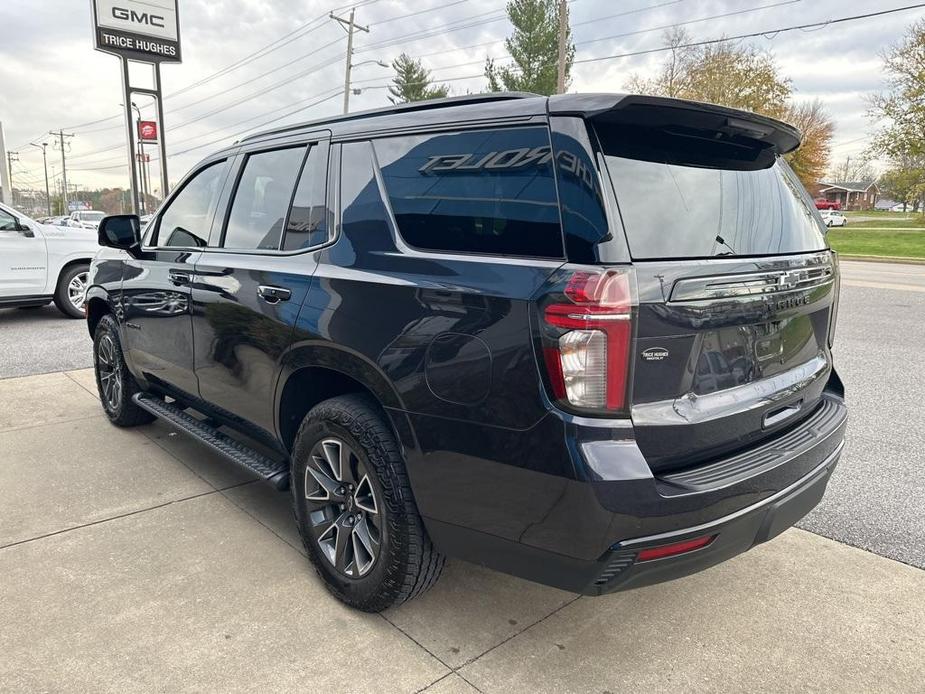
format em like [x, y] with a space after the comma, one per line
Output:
[349, 26]
[43, 146]
[141, 160]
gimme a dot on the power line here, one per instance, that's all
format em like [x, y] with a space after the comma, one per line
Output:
[690, 21]
[260, 125]
[419, 12]
[768, 34]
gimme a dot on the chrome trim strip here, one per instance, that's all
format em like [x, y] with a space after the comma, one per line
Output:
[753, 283]
[707, 527]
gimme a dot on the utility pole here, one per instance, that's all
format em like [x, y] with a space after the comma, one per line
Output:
[349, 26]
[43, 146]
[563, 32]
[4, 180]
[61, 135]
[10, 158]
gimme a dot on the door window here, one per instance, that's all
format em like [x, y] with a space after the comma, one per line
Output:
[188, 216]
[310, 220]
[7, 221]
[261, 201]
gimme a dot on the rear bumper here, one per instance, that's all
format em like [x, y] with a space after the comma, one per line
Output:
[734, 534]
[584, 533]
[618, 568]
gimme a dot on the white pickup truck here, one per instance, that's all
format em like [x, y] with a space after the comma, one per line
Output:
[40, 263]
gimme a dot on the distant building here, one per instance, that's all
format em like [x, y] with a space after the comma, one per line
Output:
[851, 195]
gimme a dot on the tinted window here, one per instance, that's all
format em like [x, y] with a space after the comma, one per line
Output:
[262, 199]
[679, 201]
[364, 218]
[187, 218]
[310, 220]
[7, 221]
[487, 191]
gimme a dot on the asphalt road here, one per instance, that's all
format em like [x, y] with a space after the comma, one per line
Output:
[41, 340]
[876, 499]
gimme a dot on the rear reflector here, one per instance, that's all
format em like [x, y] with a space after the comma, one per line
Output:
[674, 549]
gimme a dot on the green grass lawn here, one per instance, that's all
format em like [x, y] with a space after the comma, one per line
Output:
[905, 244]
[873, 219]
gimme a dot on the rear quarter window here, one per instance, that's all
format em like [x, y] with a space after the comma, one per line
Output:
[484, 191]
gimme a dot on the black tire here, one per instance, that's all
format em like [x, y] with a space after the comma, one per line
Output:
[62, 291]
[114, 382]
[405, 563]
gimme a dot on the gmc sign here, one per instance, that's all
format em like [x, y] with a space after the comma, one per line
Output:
[145, 30]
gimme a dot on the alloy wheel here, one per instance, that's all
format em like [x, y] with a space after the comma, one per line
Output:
[76, 289]
[109, 374]
[344, 511]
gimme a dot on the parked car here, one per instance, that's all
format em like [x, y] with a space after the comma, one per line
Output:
[41, 263]
[85, 219]
[834, 218]
[823, 204]
[477, 327]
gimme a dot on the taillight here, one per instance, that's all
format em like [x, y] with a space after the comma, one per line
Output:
[588, 333]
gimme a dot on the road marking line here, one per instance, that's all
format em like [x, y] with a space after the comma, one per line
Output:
[883, 285]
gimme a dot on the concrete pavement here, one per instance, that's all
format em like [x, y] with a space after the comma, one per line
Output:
[138, 561]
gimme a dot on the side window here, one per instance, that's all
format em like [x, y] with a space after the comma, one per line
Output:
[483, 191]
[261, 200]
[310, 220]
[7, 221]
[187, 218]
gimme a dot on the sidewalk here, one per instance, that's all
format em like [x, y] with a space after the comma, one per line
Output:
[137, 561]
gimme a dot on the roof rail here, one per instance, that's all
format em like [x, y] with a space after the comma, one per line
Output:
[401, 108]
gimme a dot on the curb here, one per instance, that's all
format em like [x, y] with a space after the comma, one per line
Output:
[883, 259]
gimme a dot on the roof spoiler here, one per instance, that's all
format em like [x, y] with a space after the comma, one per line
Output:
[664, 113]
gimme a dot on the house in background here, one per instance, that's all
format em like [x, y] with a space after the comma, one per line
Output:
[852, 195]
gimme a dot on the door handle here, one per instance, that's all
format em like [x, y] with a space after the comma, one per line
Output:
[273, 295]
[179, 277]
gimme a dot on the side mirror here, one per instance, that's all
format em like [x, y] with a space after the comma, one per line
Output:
[122, 231]
[25, 230]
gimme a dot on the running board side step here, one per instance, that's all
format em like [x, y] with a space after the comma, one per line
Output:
[276, 472]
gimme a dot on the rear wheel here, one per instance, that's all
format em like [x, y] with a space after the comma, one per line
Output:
[115, 384]
[354, 507]
[72, 285]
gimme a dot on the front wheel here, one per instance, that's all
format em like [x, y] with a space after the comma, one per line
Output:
[115, 383]
[72, 285]
[354, 507]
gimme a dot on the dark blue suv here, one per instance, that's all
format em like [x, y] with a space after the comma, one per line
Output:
[583, 339]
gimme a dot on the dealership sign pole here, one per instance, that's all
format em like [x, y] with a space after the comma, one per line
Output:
[140, 31]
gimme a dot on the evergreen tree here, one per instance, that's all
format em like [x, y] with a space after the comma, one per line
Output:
[534, 46]
[412, 82]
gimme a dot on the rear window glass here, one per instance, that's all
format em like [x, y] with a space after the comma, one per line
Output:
[678, 201]
[486, 191]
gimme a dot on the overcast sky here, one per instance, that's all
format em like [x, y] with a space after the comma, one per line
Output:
[50, 76]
